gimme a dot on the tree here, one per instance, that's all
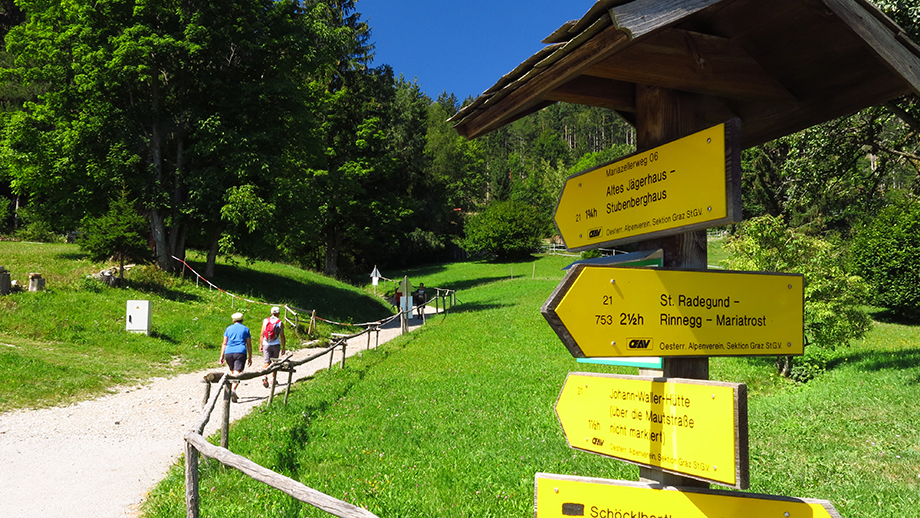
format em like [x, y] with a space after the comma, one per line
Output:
[118, 233]
[505, 230]
[834, 298]
[182, 102]
[886, 252]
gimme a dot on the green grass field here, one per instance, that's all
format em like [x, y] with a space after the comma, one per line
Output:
[69, 343]
[456, 418]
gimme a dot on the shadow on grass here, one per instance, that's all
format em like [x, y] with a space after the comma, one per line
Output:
[73, 256]
[887, 316]
[164, 337]
[878, 361]
[329, 301]
[476, 306]
[160, 290]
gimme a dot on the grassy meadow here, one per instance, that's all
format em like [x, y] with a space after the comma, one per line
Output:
[455, 418]
[69, 343]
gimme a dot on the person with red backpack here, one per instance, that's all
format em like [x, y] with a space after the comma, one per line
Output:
[272, 342]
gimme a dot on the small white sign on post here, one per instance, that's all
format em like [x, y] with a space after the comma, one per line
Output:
[137, 319]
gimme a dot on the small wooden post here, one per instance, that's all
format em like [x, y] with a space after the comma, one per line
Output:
[271, 389]
[403, 327]
[344, 344]
[225, 424]
[287, 390]
[368, 338]
[207, 392]
[191, 481]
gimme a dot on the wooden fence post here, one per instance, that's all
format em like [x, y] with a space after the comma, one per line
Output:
[207, 392]
[287, 390]
[191, 481]
[271, 390]
[225, 424]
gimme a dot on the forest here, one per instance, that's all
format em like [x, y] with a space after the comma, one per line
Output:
[265, 129]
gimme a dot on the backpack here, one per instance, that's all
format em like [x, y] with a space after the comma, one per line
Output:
[272, 330]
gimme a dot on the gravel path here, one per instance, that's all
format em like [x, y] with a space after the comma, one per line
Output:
[99, 458]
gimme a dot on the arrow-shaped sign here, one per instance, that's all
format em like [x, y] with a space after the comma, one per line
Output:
[694, 428]
[690, 183]
[559, 496]
[600, 311]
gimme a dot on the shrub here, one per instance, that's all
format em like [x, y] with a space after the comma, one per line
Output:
[505, 230]
[834, 299]
[886, 252]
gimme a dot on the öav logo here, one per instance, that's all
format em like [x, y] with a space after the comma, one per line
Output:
[639, 343]
[594, 232]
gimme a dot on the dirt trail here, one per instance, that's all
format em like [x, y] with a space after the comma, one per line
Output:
[99, 458]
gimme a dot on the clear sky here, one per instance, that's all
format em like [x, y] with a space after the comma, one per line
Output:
[462, 46]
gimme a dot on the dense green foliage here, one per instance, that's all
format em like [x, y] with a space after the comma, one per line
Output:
[834, 299]
[257, 128]
[505, 230]
[119, 233]
[886, 252]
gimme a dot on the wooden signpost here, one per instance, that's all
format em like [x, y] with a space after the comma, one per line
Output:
[694, 428]
[560, 496]
[600, 311]
[686, 184]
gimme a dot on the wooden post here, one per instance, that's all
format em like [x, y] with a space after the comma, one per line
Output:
[225, 424]
[271, 389]
[207, 392]
[287, 390]
[344, 344]
[664, 115]
[191, 481]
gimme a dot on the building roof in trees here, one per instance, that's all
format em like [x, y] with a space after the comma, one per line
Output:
[779, 66]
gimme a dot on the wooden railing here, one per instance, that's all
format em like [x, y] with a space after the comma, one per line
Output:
[196, 444]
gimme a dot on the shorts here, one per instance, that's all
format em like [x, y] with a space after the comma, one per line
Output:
[235, 361]
[271, 351]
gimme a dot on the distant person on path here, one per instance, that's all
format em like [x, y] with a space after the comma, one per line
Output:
[236, 349]
[272, 342]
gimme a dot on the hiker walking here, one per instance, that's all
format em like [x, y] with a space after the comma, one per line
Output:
[236, 350]
[272, 341]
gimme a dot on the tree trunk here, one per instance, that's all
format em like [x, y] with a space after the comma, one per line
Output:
[333, 245]
[159, 238]
[212, 255]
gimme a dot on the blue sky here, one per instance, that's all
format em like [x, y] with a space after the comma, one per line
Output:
[462, 46]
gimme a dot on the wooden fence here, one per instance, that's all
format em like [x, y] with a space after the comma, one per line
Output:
[196, 444]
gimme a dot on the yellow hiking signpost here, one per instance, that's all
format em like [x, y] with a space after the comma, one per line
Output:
[694, 428]
[690, 183]
[600, 311]
[560, 496]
